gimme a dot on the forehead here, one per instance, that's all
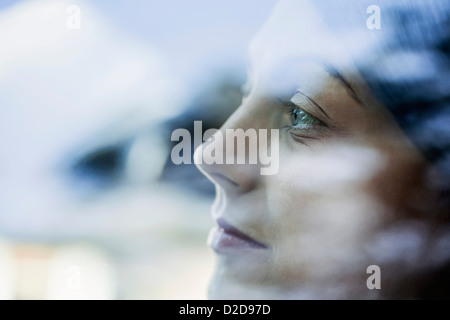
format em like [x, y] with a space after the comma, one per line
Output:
[294, 32]
[290, 49]
[330, 32]
[297, 47]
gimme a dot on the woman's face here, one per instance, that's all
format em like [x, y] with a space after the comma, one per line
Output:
[340, 201]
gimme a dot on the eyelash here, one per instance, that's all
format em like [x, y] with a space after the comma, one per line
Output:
[291, 108]
[308, 132]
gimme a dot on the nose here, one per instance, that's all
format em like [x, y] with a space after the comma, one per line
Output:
[229, 158]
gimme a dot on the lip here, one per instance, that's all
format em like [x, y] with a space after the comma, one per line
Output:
[225, 236]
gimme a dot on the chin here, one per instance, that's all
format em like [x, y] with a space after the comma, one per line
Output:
[227, 285]
[222, 288]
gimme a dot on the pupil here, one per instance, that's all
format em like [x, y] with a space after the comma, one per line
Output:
[298, 115]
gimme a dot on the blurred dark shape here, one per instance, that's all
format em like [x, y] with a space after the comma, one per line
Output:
[213, 105]
[436, 284]
[106, 160]
[101, 167]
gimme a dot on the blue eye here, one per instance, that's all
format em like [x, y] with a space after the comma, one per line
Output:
[300, 119]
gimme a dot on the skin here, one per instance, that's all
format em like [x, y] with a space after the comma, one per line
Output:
[347, 192]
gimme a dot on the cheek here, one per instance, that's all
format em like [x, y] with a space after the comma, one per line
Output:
[401, 187]
[322, 211]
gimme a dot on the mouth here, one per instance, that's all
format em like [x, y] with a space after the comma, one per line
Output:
[225, 236]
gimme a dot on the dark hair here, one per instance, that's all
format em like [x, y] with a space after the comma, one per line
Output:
[406, 64]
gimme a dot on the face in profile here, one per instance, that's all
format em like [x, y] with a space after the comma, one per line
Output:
[349, 191]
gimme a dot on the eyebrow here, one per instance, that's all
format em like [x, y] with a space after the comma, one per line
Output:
[335, 73]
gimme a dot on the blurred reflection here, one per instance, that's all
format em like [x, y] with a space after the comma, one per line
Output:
[82, 213]
[213, 105]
